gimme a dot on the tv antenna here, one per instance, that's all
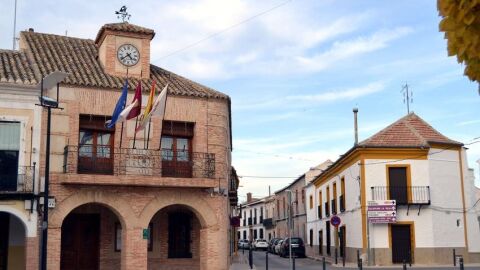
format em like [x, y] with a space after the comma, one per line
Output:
[123, 14]
[407, 96]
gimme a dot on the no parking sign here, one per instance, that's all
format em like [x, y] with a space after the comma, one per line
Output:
[335, 221]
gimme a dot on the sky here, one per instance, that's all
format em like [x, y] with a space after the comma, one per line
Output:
[293, 69]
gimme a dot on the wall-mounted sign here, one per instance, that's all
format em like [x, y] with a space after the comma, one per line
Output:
[382, 211]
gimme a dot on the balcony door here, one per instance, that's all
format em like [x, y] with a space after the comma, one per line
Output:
[95, 146]
[176, 146]
[397, 177]
[9, 153]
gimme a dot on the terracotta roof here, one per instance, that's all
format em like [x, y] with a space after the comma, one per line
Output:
[79, 58]
[125, 27]
[408, 131]
[15, 68]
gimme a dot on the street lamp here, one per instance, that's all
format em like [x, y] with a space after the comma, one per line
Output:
[51, 80]
[289, 195]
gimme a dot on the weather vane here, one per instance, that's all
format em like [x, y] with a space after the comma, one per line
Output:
[123, 14]
[407, 96]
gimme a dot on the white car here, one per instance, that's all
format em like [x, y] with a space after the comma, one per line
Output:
[260, 244]
[277, 246]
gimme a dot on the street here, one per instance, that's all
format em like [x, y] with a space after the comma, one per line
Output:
[276, 262]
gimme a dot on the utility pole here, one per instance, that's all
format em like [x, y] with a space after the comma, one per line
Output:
[407, 96]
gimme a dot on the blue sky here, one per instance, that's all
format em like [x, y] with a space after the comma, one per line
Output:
[294, 73]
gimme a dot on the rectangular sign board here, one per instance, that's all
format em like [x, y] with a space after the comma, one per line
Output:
[382, 211]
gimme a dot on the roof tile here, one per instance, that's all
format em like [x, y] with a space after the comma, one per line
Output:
[409, 131]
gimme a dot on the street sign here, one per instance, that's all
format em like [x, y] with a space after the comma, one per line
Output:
[146, 233]
[382, 211]
[335, 221]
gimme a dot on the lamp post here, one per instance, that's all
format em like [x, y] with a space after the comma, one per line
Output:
[51, 80]
[289, 223]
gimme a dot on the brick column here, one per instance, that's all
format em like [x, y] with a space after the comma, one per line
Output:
[134, 249]
[31, 253]
[212, 245]
[54, 247]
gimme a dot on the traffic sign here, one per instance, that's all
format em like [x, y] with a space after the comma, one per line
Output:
[335, 221]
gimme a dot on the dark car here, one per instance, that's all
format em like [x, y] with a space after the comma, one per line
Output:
[298, 248]
[271, 245]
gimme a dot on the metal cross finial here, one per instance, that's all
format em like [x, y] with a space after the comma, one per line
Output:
[123, 14]
[407, 96]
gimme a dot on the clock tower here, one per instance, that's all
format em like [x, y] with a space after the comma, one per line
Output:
[123, 46]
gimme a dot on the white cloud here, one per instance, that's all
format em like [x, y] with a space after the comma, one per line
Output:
[303, 100]
[469, 122]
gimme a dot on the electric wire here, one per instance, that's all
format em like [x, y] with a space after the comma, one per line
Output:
[223, 31]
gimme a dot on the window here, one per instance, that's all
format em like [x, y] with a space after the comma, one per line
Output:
[176, 147]
[284, 208]
[342, 196]
[296, 200]
[95, 146]
[334, 200]
[311, 201]
[303, 196]
[255, 234]
[244, 234]
[261, 233]
[398, 184]
[319, 204]
[9, 153]
[179, 235]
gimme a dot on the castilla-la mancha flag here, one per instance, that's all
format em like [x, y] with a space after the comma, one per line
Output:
[157, 109]
[132, 110]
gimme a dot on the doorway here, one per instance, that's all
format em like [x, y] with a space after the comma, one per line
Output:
[401, 243]
[327, 227]
[80, 242]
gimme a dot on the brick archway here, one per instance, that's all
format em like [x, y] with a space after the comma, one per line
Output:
[119, 206]
[198, 206]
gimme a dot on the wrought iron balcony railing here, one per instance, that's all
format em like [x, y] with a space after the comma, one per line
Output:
[149, 162]
[268, 223]
[411, 195]
[20, 182]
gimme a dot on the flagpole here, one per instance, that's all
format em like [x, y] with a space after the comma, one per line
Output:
[148, 134]
[121, 132]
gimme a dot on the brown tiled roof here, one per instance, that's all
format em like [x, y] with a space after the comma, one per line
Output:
[408, 131]
[124, 27]
[79, 57]
[15, 68]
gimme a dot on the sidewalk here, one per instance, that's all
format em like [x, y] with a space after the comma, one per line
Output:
[240, 262]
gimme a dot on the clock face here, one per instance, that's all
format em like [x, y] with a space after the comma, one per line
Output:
[128, 55]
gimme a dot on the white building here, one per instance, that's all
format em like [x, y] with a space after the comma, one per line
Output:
[19, 155]
[425, 172]
[252, 217]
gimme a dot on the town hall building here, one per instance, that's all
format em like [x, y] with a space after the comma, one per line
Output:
[154, 199]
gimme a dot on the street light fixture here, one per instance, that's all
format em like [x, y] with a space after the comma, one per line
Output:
[48, 82]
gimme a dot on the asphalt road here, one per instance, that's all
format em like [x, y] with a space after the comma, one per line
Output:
[276, 262]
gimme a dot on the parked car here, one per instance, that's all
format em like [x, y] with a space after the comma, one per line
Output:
[298, 248]
[271, 245]
[243, 244]
[260, 244]
[277, 246]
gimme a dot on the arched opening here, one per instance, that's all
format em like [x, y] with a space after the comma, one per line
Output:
[174, 239]
[91, 239]
[12, 242]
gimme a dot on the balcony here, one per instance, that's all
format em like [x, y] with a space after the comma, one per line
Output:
[334, 207]
[411, 195]
[19, 184]
[327, 210]
[249, 221]
[268, 223]
[342, 203]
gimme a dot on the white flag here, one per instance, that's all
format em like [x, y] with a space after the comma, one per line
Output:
[123, 115]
